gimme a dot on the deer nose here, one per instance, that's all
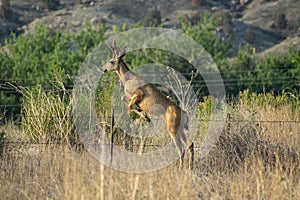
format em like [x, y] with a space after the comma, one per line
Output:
[103, 69]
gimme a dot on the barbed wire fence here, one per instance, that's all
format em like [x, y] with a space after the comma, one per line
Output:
[250, 125]
[294, 124]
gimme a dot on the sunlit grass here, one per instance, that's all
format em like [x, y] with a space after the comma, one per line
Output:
[254, 158]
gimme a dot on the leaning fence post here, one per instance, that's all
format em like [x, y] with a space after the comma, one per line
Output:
[112, 121]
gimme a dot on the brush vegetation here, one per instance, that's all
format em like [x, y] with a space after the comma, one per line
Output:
[41, 156]
[253, 158]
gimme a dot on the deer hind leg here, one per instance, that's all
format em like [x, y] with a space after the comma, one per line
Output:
[190, 146]
[136, 97]
[180, 150]
[178, 143]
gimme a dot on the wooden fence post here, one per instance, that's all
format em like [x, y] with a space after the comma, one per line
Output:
[228, 123]
[112, 122]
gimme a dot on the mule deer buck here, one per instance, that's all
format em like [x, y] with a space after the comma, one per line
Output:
[144, 96]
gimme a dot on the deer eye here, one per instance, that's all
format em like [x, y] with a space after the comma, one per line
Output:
[112, 62]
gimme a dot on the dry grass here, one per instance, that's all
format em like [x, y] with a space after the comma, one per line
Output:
[63, 174]
[47, 115]
[253, 159]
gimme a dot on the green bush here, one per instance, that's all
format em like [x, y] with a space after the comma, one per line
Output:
[104, 92]
[261, 75]
[260, 100]
[278, 73]
[238, 75]
[44, 56]
[47, 55]
[204, 33]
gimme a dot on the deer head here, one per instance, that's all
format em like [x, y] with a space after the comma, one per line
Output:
[117, 55]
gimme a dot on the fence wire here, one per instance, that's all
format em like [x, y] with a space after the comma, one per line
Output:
[293, 125]
[199, 84]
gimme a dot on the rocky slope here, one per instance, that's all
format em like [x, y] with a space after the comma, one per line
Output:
[267, 25]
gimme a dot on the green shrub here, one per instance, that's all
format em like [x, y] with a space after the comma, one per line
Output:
[104, 92]
[235, 75]
[262, 75]
[259, 100]
[204, 33]
[278, 73]
[44, 56]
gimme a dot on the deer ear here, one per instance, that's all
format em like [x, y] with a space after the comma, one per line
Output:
[122, 54]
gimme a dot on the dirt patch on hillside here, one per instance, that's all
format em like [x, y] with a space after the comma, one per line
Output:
[268, 14]
[251, 20]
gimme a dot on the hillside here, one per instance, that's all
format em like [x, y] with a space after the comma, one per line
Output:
[65, 129]
[268, 25]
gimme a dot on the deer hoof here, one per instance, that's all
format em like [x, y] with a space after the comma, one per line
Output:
[147, 119]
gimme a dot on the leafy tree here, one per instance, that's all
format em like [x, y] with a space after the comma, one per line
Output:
[43, 57]
[268, 74]
[204, 33]
[278, 73]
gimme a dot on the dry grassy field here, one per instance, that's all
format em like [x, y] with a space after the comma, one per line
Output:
[256, 157]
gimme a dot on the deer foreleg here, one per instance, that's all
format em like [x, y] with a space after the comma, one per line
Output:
[136, 97]
[141, 115]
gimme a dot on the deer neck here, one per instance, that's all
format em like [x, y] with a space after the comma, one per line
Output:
[124, 73]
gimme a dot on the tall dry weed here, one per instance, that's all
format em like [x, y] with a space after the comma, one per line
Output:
[253, 159]
[47, 115]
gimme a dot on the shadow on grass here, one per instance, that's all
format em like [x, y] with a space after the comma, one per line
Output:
[236, 148]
